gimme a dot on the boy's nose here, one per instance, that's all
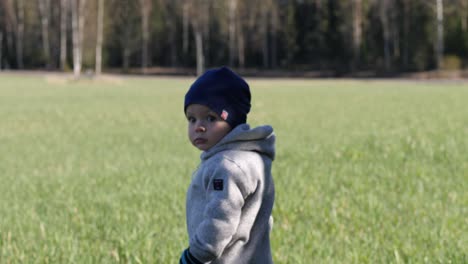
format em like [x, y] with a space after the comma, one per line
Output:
[200, 128]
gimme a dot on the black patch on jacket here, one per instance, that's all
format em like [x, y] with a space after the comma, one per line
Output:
[218, 184]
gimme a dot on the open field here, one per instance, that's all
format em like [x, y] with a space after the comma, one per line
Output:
[366, 171]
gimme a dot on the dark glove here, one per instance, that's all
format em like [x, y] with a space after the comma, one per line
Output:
[188, 258]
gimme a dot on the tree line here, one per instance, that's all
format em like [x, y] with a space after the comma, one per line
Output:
[337, 36]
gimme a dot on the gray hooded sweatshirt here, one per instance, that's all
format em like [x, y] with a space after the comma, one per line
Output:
[230, 199]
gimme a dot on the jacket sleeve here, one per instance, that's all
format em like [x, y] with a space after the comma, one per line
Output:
[226, 190]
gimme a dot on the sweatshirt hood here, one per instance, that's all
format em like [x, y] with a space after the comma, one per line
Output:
[260, 139]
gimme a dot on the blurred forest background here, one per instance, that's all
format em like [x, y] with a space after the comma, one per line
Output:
[328, 37]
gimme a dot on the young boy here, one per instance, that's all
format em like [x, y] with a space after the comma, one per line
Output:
[230, 198]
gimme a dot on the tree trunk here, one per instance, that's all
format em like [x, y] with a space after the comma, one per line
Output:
[464, 15]
[200, 55]
[9, 20]
[63, 33]
[44, 11]
[126, 58]
[99, 37]
[241, 51]
[406, 27]
[185, 25]
[126, 49]
[199, 14]
[76, 40]
[205, 17]
[395, 37]
[232, 30]
[172, 40]
[440, 34]
[145, 7]
[264, 36]
[290, 31]
[1, 49]
[81, 22]
[384, 9]
[170, 15]
[357, 33]
[20, 34]
[240, 44]
[273, 31]
[317, 36]
[77, 34]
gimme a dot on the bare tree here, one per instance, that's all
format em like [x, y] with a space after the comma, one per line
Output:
[76, 39]
[274, 27]
[207, 21]
[185, 25]
[170, 11]
[243, 22]
[126, 27]
[14, 24]
[395, 34]
[145, 8]
[406, 29]
[99, 37]
[240, 44]
[6, 13]
[290, 31]
[357, 31]
[384, 19]
[199, 21]
[171, 25]
[1, 49]
[77, 7]
[440, 33]
[20, 33]
[199, 48]
[264, 13]
[44, 11]
[235, 30]
[63, 33]
[464, 14]
[2, 15]
[267, 24]
[232, 30]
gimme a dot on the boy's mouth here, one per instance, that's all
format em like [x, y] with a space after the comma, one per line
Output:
[199, 141]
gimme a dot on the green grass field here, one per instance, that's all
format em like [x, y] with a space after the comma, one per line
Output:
[366, 171]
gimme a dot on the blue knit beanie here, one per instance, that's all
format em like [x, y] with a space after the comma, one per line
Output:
[224, 92]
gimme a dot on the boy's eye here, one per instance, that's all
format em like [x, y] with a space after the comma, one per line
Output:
[191, 119]
[211, 118]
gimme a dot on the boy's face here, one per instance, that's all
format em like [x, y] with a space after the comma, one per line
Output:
[205, 127]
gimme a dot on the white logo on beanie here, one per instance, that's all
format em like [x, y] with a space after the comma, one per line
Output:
[224, 115]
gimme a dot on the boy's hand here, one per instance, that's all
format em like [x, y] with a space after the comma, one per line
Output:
[187, 258]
